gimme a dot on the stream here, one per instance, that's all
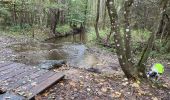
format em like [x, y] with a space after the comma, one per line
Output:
[71, 49]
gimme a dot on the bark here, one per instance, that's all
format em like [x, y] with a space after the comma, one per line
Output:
[14, 13]
[125, 65]
[168, 45]
[97, 20]
[104, 17]
[127, 29]
[54, 19]
[85, 13]
[108, 37]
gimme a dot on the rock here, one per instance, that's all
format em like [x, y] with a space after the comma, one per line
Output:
[11, 96]
[50, 64]
[2, 91]
[94, 70]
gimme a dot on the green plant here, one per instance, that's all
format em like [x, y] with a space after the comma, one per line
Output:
[15, 28]
[63, 29]
[140, 35]
[92, 34]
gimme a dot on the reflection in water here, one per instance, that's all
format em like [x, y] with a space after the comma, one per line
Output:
[75, 38]
[70, 48]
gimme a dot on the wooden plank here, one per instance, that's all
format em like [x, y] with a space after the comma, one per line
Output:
[37, 80]
[45, 84]
[3, 64]
[9, 70]
[15, 76]
[4, 83]
[19, 74]
[13, 73]
[9, 66]
[27, 79]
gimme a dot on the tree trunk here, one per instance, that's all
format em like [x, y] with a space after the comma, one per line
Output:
[85, 14]
[127, 67]
[97, 20]
[127, 29]
[54, 19]
[14, 14]
[104, 17]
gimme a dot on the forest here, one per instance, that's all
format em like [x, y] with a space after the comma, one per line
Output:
[85, 49]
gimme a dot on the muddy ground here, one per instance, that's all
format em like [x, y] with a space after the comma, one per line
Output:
[107, 83]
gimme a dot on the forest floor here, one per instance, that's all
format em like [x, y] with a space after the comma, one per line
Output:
[82, 84]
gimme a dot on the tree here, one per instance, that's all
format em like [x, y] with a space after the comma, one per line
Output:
[127, 29]
[132, 70]
[97, 20]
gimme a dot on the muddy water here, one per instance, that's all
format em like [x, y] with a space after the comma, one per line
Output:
[72, 49]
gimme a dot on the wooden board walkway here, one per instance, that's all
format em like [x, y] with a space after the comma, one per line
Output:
[27, 81]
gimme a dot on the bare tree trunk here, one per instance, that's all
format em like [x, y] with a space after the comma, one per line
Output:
[54, 19]
[14, 13]
[85, 14]
[125, 65]
[97, 20]
[104, 17]
[127, 29]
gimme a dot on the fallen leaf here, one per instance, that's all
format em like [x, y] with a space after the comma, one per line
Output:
[125, 79]
[116, 94]
[72, 83]
[150, 94]
[140, 92]
[38, 97]
[62, 84]
[46, 94]
[104, 89]
[136, 85]
[88, 89]
[138, 82]
[154, 98]
[125, 83]
[165, 85]
[34, 83]
[101, 80]
[81, 82]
